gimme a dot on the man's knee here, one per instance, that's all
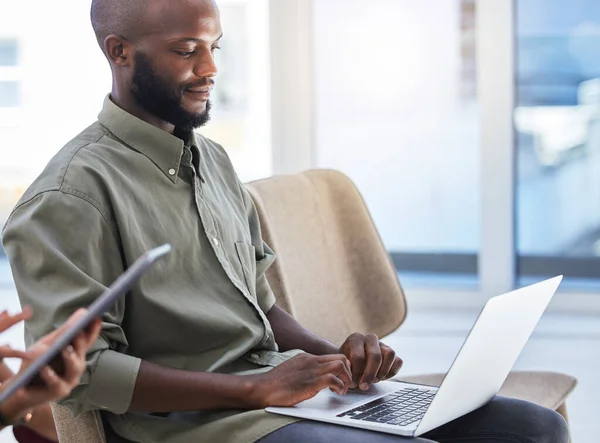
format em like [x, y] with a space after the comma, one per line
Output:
[507, 419]
[551, 427]
[535, 423]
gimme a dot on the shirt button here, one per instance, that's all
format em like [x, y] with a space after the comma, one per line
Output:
[254, 355]
[171, 171]
[216, 241]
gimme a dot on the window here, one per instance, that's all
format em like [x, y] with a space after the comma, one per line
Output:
[241, 102]
[10, 93]
[10, 103]
[8, 52]
[557, 119]
[397, 110]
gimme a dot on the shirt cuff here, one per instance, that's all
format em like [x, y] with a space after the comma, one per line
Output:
[112, 381]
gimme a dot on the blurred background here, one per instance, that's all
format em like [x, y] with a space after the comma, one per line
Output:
[477, 148]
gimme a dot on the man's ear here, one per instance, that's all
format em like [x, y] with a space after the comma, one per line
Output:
[118, 50]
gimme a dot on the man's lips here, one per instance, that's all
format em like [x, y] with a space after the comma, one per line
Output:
[202, 93]
[203, 89]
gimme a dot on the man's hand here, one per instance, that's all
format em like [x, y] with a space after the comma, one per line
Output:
[371, 361]
[301, 378]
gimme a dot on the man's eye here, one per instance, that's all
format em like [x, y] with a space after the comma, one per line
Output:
[214, 48]
[184, 53]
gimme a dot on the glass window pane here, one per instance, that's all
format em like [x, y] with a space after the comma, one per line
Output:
[397, 111]
[8, 52]
[557, 119]
[9, 94]
[240, 113]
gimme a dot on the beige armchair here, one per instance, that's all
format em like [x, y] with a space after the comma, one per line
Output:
[329, 256]
[86, 427]
[334, 275]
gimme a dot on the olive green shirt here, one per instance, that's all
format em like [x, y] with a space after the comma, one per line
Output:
[119, 188]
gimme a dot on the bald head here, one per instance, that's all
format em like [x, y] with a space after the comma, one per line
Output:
[132, 19]
[124, 18]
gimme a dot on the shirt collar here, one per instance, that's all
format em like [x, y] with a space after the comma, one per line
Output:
[163, 149]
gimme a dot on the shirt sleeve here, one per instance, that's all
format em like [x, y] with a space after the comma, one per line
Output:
[265, 256]
[63, 254]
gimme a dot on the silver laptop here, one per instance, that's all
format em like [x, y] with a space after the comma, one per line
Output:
[475, 377]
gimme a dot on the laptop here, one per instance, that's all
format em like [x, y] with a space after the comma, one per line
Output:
[484, 361]
[52, 355]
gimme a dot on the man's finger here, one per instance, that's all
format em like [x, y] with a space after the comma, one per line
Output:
[373, 361]
[388, 356]
[395, 367]
[330, 381]
[329, 357]
[340, 369]
[322, 359]
[354, 349]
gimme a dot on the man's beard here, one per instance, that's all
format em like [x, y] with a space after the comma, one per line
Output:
[153, 93]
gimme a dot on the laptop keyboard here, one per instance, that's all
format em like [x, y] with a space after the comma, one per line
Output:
[399, 408]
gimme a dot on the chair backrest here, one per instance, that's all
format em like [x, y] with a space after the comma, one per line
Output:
[332, 273]
[86, 427]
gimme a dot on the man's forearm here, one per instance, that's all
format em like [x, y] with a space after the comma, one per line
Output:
[160, 389]
[289, 334]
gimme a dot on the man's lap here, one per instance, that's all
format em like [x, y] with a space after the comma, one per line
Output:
[503, 419]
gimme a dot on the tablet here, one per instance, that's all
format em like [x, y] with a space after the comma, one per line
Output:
[118, 289]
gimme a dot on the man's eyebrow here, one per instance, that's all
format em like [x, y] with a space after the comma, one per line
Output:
[196, 40]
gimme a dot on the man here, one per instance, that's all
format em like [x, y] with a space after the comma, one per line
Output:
[199, 348]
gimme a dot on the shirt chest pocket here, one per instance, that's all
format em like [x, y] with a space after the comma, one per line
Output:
[247, 257]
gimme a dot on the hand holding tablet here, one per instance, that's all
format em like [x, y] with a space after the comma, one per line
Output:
[52, 367]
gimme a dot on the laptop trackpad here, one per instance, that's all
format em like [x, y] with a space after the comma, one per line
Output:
[327, 401]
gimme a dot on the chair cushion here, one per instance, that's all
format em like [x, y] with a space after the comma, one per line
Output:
[548, 389]
[86, 427]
